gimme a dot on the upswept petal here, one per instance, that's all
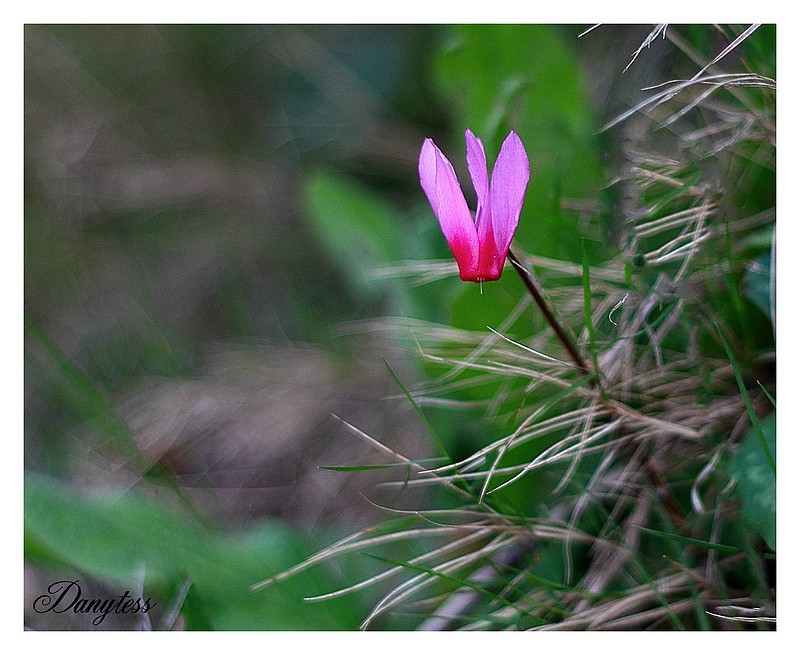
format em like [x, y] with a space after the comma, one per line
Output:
[476, 163]
[507, 190]
[489, 268]
[440, 184]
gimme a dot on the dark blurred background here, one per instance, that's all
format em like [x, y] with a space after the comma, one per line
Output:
[184, 303]
[171, 272]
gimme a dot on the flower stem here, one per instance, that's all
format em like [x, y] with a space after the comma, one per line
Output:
[563, 337]
[655, 476]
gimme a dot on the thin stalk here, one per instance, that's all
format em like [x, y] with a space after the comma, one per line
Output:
[655, 476]
[562, 335]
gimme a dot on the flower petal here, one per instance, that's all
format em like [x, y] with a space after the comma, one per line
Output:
[487, 250]
[507, 190]
[440, 184]
[476, 163]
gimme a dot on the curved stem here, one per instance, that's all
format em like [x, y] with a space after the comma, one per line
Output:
[655, 476]
[563, 337]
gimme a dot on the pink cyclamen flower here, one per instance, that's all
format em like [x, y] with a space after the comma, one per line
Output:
[479, 246]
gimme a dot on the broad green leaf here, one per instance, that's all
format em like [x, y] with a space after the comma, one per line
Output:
[759, 284]
[112, 537]
[359, 230]
[756, 480]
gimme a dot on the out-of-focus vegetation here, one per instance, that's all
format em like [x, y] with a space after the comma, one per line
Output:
[231, 275]
[191, 194]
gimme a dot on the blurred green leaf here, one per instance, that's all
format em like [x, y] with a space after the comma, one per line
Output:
[113, 537]
[477, 307]
[756, 480]
[759, 281]
[85, 401]
[767, 450]
[359, 230]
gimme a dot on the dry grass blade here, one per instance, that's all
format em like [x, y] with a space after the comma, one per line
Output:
[358, 541]
[730, 48]
[455, 545]
[660, 29]
[634, 604]
[721, 81]
[522, 435]
[561, 452]
[421, 581]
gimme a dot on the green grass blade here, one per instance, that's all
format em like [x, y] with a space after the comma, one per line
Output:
[689, 541]
[767, 394]
[587, 311]
[434, 436]
[747, 402]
